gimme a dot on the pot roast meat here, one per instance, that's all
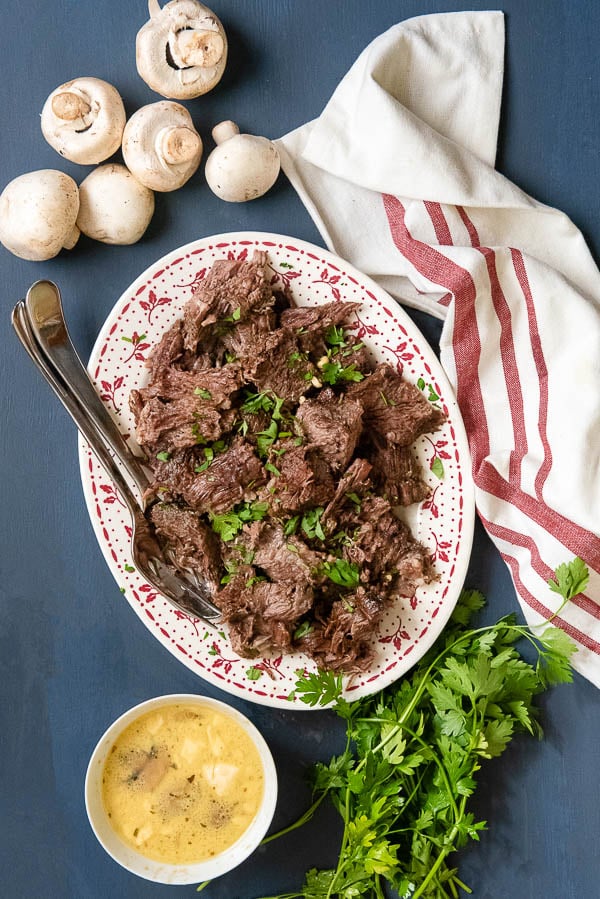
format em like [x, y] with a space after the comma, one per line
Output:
[394, 410]
[333, 425]
[238, 494]
[282, 558]
[304, 481]
[231, 288]
[384, 545]
[167, 351]
[208, 386]
[317, 318]
[278, 366]
[188, 542]
[230, 479]
[175, 425]
[398, 475]
[260, 615]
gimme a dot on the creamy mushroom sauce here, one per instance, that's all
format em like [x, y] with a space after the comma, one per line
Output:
[182, 783]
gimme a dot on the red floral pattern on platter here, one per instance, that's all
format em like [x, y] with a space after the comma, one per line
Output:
[139, 347]
[443, 522]
[331, 280]
[402, 354]
[153, 303]
[363, 329]
[109, 391]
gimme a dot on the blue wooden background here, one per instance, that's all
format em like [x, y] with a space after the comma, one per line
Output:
[73, 655]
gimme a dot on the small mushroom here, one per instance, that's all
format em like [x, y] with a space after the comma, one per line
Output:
[113, 206]
[181, 52]
[83, 120]
[242, 166]
[38, 211]
[161, 147]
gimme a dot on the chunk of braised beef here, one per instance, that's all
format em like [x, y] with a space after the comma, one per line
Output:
[317, 318]
[281, 557]
[230, 478]
[342, 641]
[177, 424]
[333, 425]
[168, 350]
[188, 542]
[261, 615]
[280, 366]
[384, 545]
[244, 339]
[210, 386]
[394, 409]
[304, 481]
[398, 475]
[231, 289]
[355, 480]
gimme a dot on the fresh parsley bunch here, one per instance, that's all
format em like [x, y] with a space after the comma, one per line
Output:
[402, 785]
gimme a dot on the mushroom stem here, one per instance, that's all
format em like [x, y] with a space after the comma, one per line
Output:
[223, 131]
[70, 105]
[177, 145]
[197, 48]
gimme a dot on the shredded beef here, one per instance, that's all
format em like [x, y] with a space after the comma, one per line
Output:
[394, 409]
[333, 425]
[190, 543]
[278, 453]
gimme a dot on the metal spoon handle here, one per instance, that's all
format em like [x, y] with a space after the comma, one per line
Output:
[85, 424]
[47, 321]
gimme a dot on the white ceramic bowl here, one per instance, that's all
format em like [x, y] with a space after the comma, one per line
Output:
[159, 871]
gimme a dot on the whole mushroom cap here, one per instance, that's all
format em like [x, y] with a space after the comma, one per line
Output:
[38, 211]
[242, 166]
[114, 207]
[161, 147]
[181, 51]
[83, 120]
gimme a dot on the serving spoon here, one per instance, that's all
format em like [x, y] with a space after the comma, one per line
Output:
[192, 598]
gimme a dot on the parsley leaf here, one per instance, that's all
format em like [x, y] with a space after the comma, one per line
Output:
[570, 578]
[341, 572]
[334, 372]
[228, 524]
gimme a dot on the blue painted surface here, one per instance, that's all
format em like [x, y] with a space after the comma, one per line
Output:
[73, 655]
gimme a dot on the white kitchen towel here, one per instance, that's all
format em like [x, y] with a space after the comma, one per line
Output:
[398, 174]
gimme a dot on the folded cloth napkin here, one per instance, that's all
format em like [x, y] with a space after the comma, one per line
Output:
[398, 174]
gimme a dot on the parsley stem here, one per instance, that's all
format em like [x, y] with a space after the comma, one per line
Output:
[303, 819]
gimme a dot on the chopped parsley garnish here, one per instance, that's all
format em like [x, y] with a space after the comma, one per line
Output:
[266, 438]
[335, 336]
[303, 629]
[228, 524]
[341, 572]
[163, 457]
[210, 452]
[311, 523]
[203, 393]
[334, 372]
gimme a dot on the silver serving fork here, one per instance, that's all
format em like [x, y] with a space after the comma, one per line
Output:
[39, 324]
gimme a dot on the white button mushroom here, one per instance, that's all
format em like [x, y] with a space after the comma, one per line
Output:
[38, 213]
[161, 147]
[83, 120]
[113, 206]
[181, 52]
[242, 166]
